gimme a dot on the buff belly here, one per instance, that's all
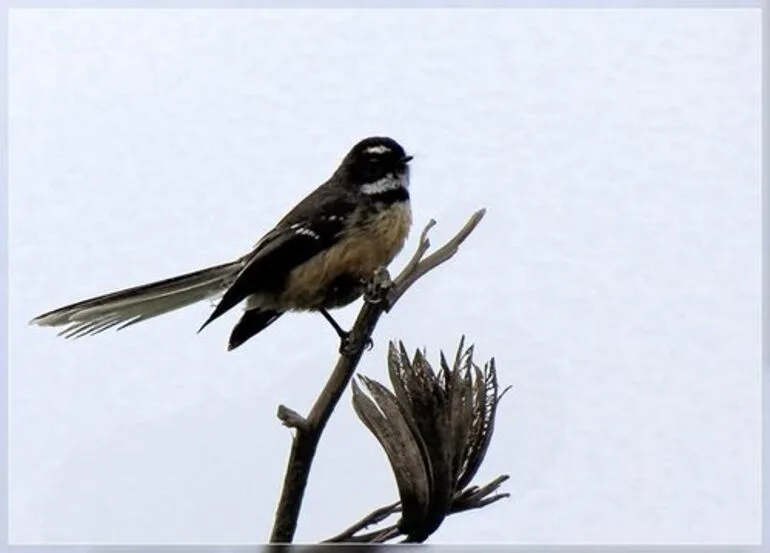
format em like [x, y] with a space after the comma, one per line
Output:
[338, 274]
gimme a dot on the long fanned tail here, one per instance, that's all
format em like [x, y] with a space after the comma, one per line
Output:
[134, 305]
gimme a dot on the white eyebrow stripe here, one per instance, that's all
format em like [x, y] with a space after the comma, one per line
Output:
[377, 149]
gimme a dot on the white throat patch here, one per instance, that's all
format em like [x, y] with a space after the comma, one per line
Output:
[385, 184]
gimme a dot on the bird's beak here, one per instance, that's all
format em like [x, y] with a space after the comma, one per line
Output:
[406, 159]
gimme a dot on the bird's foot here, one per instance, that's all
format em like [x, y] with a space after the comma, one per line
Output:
[349, 345]
[376, 290]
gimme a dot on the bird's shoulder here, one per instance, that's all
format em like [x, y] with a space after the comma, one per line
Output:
[322, 212]
[309, 225]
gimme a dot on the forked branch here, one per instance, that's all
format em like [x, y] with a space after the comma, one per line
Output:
[308, 430]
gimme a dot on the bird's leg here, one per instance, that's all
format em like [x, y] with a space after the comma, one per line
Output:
[376, 289]
[335, 325]
[346, 338]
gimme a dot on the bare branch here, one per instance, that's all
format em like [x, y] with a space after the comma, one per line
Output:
[291, 418]
[422, 247]
[471, 498]
[375, 517]
[475, 498]
[308, 435]
[446, 252]
[376, 536]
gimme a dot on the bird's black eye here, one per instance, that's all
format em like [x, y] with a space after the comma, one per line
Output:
[373, 160]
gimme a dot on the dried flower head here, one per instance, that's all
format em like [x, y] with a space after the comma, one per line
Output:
[435, 429]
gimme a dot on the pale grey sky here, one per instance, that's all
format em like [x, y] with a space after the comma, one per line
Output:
[616, 277]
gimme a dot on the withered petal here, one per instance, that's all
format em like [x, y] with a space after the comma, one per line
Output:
[486, 400]
[407, 459]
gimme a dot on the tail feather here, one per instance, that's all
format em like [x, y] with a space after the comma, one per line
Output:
[253, 321]
[137, 304]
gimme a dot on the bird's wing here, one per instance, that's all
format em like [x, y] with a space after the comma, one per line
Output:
[295, 240]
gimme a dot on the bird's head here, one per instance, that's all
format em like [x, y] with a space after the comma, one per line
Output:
[377, 162]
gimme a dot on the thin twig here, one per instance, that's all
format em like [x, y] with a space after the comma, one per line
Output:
[378, 536]
[444, 253]
[471, 498]
[307, 435]
[474, 497]
[422, 246]
[375, 517]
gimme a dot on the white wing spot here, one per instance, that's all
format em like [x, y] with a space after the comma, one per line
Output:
[305, 232]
